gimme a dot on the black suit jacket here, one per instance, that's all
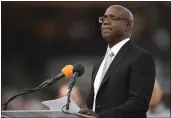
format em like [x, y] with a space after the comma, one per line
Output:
[127, 86]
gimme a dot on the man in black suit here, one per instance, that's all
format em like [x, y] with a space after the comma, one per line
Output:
[123, 80]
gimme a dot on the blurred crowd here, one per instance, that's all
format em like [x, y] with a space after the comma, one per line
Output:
[40, 38]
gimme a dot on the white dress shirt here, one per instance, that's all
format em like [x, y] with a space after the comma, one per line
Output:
[98, 79]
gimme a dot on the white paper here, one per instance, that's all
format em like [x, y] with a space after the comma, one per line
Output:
[59, 103]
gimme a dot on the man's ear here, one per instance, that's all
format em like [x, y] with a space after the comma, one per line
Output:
[128, 27]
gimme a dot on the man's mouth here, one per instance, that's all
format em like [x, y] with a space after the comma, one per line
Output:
[106, 30]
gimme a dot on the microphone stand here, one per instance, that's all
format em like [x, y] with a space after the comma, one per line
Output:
[44, 84]
[71, 85]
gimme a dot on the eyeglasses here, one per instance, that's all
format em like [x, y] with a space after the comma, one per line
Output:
[112, 18]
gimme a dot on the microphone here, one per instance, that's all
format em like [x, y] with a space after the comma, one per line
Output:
[78, 68]
[67, 72]
[78, 71]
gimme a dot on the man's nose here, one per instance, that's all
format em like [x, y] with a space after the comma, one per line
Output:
[107, 22]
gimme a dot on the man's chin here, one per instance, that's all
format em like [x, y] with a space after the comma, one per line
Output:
[107, 37]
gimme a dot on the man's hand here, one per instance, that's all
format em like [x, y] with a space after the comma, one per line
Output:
[89, 112]
[156, 98]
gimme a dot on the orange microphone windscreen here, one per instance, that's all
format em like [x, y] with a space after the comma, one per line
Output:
[68, 71]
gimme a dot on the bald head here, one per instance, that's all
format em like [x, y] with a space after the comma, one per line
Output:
[124, 12]
[117, 24]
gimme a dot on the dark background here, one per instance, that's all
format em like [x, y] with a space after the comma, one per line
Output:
[39, 38]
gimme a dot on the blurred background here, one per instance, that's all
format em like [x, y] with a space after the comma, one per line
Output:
[39, 38]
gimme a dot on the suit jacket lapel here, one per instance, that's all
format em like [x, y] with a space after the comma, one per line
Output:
[121, 54]
[96, 68]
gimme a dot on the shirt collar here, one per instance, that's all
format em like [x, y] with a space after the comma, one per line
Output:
[117, 46]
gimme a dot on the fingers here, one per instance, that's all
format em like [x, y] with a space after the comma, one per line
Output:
[85, 111]
[88, 112]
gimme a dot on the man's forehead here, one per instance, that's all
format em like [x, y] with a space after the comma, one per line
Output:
[114, 11]
[119, 11]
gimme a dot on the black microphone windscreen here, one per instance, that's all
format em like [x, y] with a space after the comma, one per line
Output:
[78, 68]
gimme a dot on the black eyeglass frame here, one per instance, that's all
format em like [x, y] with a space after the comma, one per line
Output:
[113, 18]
